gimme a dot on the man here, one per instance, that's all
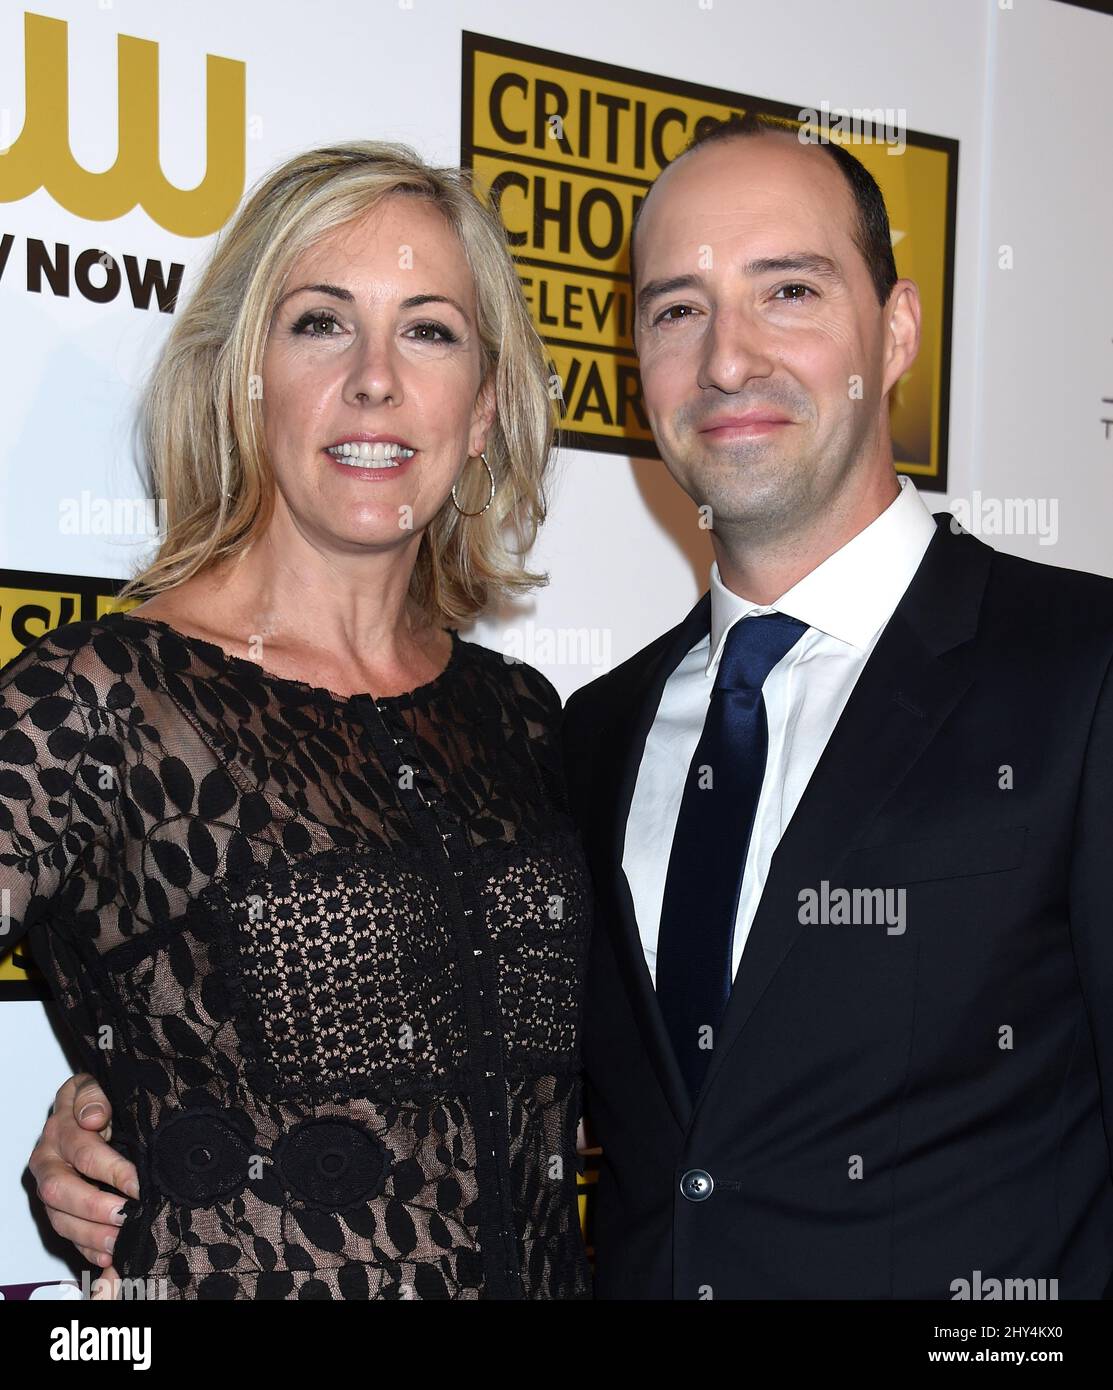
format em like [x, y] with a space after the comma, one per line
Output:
[849, 1026]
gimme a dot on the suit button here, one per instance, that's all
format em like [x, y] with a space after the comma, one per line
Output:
[696, 1185]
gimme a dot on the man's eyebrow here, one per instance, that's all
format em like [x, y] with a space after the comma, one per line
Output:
[800, 263]
[654, 288]
[803, 262]
[338, 292]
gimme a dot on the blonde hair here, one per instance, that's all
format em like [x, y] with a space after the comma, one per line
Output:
[201, 422]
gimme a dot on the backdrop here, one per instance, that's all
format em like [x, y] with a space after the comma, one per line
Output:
[130, 131]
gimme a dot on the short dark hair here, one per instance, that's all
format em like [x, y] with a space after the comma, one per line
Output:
[871, 236]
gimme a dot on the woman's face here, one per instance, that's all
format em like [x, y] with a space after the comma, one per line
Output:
[375, 334]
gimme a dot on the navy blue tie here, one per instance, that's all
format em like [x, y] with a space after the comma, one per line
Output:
[694, 944]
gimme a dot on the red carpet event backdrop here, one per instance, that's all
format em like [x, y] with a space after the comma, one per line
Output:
[129, 133]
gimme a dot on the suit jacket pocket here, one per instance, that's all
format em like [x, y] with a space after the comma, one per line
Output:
[952, 856]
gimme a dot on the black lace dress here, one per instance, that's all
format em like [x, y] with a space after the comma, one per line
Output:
[323, 953]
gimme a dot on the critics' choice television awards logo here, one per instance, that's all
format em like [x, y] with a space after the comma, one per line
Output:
[40, 155]
[569, 147]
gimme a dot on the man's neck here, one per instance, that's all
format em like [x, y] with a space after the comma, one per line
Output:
[762, 569]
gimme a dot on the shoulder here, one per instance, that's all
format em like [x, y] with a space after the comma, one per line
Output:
[71, 693]
[518, 682]
[89, 657]
[1049, 605]
[1037, 576]
[620, 689]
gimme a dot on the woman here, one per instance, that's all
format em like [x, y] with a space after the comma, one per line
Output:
[294, 857]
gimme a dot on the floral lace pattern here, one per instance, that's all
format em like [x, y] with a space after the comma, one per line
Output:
[324, 954]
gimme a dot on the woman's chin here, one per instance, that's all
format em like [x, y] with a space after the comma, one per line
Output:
[380, 526]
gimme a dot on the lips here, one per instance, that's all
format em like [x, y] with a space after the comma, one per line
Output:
[751, 419]
[371, 453]
[370, 437]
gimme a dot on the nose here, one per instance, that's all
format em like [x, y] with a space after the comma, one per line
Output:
[373, 370]
[733, 351]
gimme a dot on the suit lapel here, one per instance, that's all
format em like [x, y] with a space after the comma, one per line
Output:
[918, 671]
[634, 711]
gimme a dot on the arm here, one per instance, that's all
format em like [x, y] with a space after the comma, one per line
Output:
[1091, 924]
[59, 774]
[55, 804]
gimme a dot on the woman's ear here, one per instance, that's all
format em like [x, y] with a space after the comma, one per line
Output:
[483, 416]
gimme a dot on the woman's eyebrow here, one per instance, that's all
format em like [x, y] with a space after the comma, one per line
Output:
[413, 302]
[336, 291]
[416, 300]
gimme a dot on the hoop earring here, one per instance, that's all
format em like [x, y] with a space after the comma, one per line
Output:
[490, 499]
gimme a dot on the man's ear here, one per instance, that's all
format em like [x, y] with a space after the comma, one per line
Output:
[902, 332]
[483, 415]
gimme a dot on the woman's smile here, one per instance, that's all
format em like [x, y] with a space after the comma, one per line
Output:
[369, 458]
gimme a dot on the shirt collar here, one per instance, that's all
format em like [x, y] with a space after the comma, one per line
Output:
[854, 592]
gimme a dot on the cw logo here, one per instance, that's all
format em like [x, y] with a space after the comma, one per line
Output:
[41, 156]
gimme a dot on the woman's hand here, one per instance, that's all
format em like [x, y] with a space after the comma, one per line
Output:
[72, 1147]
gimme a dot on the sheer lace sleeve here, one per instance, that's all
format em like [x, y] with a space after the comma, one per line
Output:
[538, 703]
[61, 760]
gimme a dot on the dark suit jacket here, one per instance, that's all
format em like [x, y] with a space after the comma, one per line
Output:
[885, 1113]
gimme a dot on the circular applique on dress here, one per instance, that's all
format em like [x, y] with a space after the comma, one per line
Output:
[332, 1163]
[196, 1157]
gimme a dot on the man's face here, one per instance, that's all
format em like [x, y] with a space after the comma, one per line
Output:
[761, 338]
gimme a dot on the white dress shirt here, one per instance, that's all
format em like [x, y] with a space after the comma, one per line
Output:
[845, 602]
